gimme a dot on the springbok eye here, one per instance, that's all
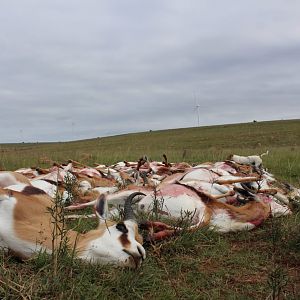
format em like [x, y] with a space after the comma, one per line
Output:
[121, 227]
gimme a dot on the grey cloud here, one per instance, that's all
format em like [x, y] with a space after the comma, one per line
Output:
[79, 70]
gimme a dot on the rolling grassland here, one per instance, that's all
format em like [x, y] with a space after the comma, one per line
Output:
[260, 264]
[198, 144]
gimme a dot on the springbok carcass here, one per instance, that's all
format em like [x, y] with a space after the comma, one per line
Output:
[56, 178]
[177, 200]
[225, 196]
[220, 196]
[49, 180]
[231, 195]
[26, 229]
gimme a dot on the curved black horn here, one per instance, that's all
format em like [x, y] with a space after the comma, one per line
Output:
[248, 188]
[128, 211]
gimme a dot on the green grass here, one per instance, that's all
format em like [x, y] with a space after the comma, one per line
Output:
[199, 265]
[198, 144]
[209, 266]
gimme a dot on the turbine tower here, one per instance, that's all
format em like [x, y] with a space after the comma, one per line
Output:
[197, 107]
[198, 113]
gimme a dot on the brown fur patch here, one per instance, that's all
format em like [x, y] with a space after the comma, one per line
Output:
[124, 240]
[137, 236]
[32, 190]
[33, 223]
[247, 213]
[21, 178]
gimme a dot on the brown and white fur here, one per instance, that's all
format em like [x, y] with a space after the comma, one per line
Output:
[12, 178]
[174, 200]
[177, 199]
[26, 229]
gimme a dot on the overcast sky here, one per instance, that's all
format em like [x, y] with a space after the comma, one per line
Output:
[76, 69]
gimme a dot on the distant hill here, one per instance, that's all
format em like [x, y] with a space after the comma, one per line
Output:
[189, 144]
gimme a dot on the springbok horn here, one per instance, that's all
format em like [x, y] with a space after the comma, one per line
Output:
[165, 157]
[255, 191]
[144, 176]
[128, 211]
[246, 192]
[247, 188]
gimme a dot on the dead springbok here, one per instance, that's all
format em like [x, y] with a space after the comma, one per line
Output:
[26, 228]
[176, 199]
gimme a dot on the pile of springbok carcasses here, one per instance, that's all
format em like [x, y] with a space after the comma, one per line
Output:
[231, 195]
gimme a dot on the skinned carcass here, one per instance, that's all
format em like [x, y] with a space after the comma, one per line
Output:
[229, 195]
[226, 196]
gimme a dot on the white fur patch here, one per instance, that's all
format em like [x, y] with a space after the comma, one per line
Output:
[175, 206]
[47, 187]
[247, 160]
[278, 210]
[16, 187]
[108, 189]
[7, 179]
[107, 250]
[200, 174]
[84, 186]
[222, 222]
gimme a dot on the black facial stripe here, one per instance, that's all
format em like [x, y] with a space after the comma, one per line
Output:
[121, 227]
[100, 205]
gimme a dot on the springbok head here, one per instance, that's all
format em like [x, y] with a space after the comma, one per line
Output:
[26, 228]
[117, 243]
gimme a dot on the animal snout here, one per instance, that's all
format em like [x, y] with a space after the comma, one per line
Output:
[135, 257]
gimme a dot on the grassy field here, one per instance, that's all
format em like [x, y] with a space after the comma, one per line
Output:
[198, 144]
[260, 264]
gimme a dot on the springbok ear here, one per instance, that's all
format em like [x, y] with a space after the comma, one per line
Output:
[101, 208]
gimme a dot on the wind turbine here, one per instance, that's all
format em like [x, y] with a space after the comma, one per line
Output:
[197, 107]
[198, 113]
